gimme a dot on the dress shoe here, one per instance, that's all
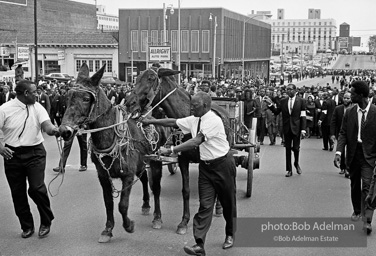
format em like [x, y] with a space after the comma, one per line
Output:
[342, 172]
[324, 149]
[261, 143]
[43, 231]
[82, 168]
[229, 242]
[367, 228]
[288, 174]
[331, 147]
[355, 217]
[298, 170]
[27, 233]
[347, 174]
[195, 250]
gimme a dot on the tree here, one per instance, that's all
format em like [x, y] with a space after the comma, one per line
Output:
[372, 43]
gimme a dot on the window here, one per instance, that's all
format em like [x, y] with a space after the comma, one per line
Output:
[78, 65]
[174, 41]
[144, 40]
[154, 37]
[90, 66]
[134, 40]
[205, 41]
[184, 41]
[109, 66]
[195, 40]
[97, 66]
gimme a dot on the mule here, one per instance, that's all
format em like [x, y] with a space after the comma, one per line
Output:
[151, 87]
[117, 152]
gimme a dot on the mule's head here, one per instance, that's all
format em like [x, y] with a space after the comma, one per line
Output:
[145, 89]
[81, 102]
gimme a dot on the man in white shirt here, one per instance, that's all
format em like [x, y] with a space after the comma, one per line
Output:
[22, 121]
[217, 168]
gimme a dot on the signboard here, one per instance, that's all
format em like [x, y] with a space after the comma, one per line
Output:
[22, 52]
[4, 51]
[343, 42]
[60, 55]
[160, 53]
[17, 2]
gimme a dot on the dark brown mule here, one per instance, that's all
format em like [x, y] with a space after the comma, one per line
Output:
[150, 88]
[115, 153]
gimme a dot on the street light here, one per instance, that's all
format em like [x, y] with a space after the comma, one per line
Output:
[301, 56]
[214, 41]
[171, 8]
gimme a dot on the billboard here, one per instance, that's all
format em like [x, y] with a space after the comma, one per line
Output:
[343, 42]
[160, 53]
[16, 2]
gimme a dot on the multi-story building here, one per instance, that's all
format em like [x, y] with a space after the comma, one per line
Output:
[106, 21]
[212, 42]
[67, 36]
[322, 32]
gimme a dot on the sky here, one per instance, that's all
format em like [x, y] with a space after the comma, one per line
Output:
[359, 14]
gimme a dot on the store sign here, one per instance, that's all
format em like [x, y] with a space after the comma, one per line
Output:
[60, 55]
[4, 51]
[22, 52]
[160, 53]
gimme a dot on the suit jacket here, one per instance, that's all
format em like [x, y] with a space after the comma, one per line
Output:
[3, 96]
[338, 99]
[348, 136]
[328, 106]
[261, 107]
[111, 94]
[294, 122]
[44, 100]
[336, 121]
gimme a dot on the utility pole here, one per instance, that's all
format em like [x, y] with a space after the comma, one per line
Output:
[36, 41]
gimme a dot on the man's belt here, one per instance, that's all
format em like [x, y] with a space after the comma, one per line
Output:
[213, 161]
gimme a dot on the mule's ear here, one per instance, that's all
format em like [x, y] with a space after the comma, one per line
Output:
[83, 73]
[167, 72]
[96, 78]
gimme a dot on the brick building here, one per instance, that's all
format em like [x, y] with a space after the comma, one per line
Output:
[67, 36]
[142, 28]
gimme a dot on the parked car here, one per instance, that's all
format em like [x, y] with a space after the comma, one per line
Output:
[60, 77]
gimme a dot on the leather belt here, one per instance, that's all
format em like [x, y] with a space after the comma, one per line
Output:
[213, 161]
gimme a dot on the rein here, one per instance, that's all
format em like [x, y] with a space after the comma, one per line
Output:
[59, 142]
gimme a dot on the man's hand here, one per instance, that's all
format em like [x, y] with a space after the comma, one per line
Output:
[337, 160]
[56, 132]
[333, 138]
[164, 151]
[145, 121]
[7, 153]
[267, 100]
[303, 134]
[319, 122]
[368, 201]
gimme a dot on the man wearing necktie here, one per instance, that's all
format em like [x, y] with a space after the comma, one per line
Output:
[217, 168]
[293, 111]
[358, 135]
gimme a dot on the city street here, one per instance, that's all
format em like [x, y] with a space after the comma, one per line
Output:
[80, 215]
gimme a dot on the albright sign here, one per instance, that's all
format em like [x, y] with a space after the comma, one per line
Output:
[160, 53]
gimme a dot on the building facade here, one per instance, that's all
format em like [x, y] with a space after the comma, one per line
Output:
[212, 41]
[106, 21]
[67, 36]
[322, 32]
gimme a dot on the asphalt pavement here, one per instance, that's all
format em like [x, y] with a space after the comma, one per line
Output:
[80, 214]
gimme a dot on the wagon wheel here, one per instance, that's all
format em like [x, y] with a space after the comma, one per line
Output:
[251, 156]
[172, 168]
[250, 172]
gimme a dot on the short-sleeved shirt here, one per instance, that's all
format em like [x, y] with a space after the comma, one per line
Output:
[19, 127]
[215, 144]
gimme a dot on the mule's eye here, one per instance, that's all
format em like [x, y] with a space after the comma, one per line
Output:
[86, 100]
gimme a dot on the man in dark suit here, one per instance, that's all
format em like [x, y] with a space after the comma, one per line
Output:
[260, 113]
[111, 94]
[335, 127]
[327, 110]
[358, 134]
[337, 97]
[318, 104]
[6, 95]
[43, 99]
[293, 111]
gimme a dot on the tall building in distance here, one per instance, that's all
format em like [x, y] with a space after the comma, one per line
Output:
[106, 21]
[313, 31]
